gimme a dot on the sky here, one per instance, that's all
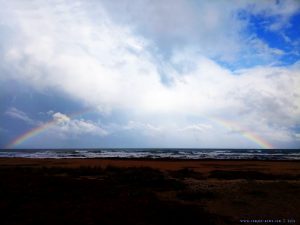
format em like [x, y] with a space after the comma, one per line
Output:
[152, 74]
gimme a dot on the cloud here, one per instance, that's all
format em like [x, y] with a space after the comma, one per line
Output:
[82, 50]
[205, 25]
[297, 135]
[67, 127]
[197, 127]
[18, 114]
[133, 125]
[60, 118]
[280, 12]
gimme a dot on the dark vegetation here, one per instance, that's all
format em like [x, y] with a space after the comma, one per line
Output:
[32, 195]
[230, 175]
[187, 173]
[196, 195]
[249, 175]
[114, 195]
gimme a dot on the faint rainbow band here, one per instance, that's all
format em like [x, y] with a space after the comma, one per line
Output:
[262, 143]
[244, 132]
[40, 129]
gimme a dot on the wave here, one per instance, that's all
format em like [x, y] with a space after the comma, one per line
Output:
[262, 154]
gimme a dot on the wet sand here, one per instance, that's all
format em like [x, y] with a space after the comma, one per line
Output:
[146, 191]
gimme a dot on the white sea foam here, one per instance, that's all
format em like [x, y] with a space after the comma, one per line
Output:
[156, 154]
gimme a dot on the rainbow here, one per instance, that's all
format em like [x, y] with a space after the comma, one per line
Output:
[31, 133]
[245, 133]
[40, 129]
[225, 123]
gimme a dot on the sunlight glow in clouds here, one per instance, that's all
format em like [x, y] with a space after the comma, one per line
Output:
[155, 69]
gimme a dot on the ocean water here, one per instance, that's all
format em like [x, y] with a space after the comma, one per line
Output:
[258, 154]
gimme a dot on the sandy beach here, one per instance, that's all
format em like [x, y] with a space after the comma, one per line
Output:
[145, 191]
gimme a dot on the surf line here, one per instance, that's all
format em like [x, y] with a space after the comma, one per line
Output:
[40, 129]
[244, 132]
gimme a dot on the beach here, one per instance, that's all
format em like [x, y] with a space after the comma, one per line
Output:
[149, 191]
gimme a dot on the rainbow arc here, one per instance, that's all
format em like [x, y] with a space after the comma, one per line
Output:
[262, 143]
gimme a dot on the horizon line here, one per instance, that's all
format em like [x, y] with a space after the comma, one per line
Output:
[110, 148]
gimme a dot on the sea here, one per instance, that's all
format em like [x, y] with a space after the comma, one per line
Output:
[155, 153]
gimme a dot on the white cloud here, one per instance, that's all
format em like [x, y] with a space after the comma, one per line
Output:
[67, 127]
[197, 127]
[280, 12]
[60, 118]
[108, 66]
[214, 28]
[133, 125]
[18, 114]
[297, 135]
